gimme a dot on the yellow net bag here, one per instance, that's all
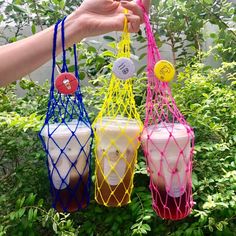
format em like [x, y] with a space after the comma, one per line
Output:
[117, 129]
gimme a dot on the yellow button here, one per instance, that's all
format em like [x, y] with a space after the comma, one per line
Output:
[164, 71]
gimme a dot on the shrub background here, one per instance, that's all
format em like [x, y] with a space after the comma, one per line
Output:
[206, 96]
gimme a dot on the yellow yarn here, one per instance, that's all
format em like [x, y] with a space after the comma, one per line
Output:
[117, 129]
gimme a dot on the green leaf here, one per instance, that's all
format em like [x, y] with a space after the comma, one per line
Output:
[71, 68]
[54, 226]
[135, 226]
[56, 2]
[208, 1]
[40, 203]
[219, 226]
[82, 75]
[62, 4]
[1, 17]
[30, 199]
[92, 49]
[210, 228]
[141, 69]
[146, 227]
[21, 202]
[143, 47]
[35, 213]
[109, 38]
[33, 29]
[21, 212]
[112, 45]
[19, 9]
[30, 214]
[142, 56]
[108, 54]
[143, 231]
[12, 216]
[146, 217]
[188, 232]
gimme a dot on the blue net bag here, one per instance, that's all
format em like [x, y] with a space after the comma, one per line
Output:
[67, 137]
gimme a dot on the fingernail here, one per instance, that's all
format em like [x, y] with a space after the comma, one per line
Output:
[123, 2]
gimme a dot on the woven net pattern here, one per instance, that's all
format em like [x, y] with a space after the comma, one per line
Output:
[67, 138]
[168, 143]
[117, 128]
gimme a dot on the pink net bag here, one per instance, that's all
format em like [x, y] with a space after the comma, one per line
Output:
[167, 139]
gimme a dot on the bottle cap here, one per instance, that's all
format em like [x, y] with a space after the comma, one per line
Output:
[123, 68]
[164, 71]
[66, 83]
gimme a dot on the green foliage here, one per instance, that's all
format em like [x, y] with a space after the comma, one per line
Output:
[205, 95]
[37, 14]
[207, 98]
[183, 25]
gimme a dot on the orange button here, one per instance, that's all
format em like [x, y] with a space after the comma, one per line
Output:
[66, 83]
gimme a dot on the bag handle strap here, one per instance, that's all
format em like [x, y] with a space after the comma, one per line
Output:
[64, 66]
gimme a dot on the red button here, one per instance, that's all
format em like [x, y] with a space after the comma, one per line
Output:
[66, 83]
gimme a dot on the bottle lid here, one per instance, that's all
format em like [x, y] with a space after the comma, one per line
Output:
[66, 83]
[123, 68]
[164, 71]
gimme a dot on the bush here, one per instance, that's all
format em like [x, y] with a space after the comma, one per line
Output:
[206, 97]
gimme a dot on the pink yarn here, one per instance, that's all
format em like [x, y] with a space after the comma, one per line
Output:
[167, 141]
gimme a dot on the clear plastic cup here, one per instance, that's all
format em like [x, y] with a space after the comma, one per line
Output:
[66, 149]
[168, 148]
[116, 152]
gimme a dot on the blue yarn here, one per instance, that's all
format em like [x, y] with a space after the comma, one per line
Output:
[76, 63]
[61, 110]
[54, 48]
[64, 66]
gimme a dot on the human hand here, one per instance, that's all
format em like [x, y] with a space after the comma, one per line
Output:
[103, 16]
[93, 17]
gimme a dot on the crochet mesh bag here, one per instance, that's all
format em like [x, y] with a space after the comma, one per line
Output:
[167, 139]
[117, 129]
[67, 137]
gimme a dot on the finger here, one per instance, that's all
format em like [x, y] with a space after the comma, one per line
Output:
[133, 7]
[147, 4]
[114, 24]
[134, 23]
